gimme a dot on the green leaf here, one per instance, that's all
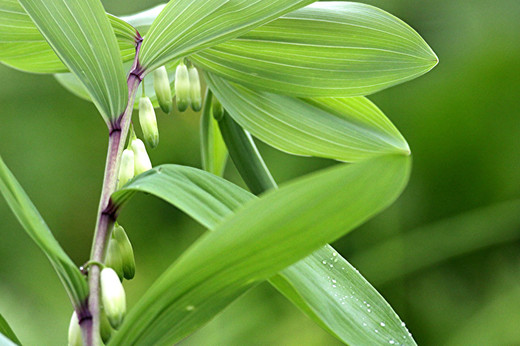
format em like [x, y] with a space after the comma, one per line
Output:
[186, 26]
[325, 49]
[347, 129]
[213, 149]
[81, 35]
[429, 245]
[7, 333]
[323, 285]
[263, 237]
[32, 222]
[23, 47]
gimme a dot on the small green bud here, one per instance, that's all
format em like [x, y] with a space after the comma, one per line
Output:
[216, 108]
[104, 326]
[195, 95]
[127, 253]
[126, 170]
[113, 297]
[142, 162]
[163, 90]
[148, 122]
[182, 87]
[114, 258]
[75, 331]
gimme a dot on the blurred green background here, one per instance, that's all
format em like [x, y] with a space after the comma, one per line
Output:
[446, 255]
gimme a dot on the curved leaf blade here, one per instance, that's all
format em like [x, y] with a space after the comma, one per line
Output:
[23, 47]
[80, 34]
[262, 238]
[32, 222]
[347, 129]
[186, 26]
[334, 49]
[323, 285]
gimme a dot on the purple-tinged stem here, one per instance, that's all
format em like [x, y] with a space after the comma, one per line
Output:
[106, 212]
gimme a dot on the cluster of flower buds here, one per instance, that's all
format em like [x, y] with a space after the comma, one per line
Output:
[187, 88]
[120, 255]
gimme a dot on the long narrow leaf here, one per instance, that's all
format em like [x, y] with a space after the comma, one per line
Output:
[81, 35]
[325, 49]
[323, 285]
[262, 238]
[32, 222]
[187, 26]
[347, 129]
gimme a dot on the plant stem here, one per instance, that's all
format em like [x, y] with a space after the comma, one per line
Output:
[106, 212]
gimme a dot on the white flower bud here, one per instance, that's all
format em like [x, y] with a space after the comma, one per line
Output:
[148, 122]
[195, 95]
[161, 84]
[104, 327]
[113, 297]
[182, 87]
[126, 170]
[142, 162]
[75, 331]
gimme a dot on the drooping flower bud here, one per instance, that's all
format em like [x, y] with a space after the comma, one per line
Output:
[142, 162]
[195, 95]
[182, 87]
[113, 297]
[161, 84]
[104, 326]
[127, 253]
[148, 122]
[216, 108]
[126, 171]
[75, 331]
[114, 258]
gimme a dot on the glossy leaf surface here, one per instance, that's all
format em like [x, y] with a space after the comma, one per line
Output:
[326, 49]
[187, 26]
[261, 239]
[346, 129]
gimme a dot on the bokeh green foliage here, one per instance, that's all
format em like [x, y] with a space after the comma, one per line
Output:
[461, 122]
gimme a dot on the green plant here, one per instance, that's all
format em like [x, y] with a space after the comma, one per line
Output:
[291, 73]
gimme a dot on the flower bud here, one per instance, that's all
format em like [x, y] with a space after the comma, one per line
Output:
[75, 331]
[195, 96]
[114, 259]
[217, 109]
[142, 162]
[126, 170]
[182, 87]
[113, 297]
[161, 84]
[127, 253]
[148, 122]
